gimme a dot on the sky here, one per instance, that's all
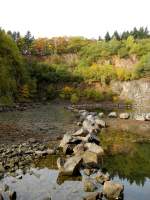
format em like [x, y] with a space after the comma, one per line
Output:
[88, 18]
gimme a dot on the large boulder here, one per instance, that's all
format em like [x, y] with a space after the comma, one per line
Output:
[124, 115]
[90, 126]
[112, 190]
[94, 148]
[90, 158]
[70, 166]
[112, 115]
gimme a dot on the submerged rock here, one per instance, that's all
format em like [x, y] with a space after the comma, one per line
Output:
[112, 190]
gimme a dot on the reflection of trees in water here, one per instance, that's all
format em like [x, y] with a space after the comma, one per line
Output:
[134, 167]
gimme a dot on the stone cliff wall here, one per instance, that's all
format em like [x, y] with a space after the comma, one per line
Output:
[137, 90]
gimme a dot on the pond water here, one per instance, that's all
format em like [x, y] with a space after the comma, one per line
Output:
[44, 121]
[132, 170]
[131, 167]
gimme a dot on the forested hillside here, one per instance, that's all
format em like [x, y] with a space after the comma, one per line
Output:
[43, 68]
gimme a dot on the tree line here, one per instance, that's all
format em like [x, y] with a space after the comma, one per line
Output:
[32, 69]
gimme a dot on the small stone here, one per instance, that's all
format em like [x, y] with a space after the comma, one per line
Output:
[112, 115]
[147, 117]
[124, 115]
[101, 115]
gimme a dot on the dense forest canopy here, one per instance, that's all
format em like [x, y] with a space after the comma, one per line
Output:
[29, 67]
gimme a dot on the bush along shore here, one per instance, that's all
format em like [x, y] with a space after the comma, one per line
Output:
[84, 155]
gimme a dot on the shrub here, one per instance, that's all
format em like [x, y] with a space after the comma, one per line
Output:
[51, 92]
[92, 94]
[6, 100]
[143, 68]
[74, 98]
[66, 92]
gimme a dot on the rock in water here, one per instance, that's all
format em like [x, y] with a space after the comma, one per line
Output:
[79, 149]
[92, 139]
[140, 117]
[94, 148]
[80, 132]
[66, 139]
[93, 196]
[124, 115]
[101, 177]
[70, 166]
[1, 197]
[101, 123]
[91, 158]
[12, 195]
[112, 190]
[90, 126]
[101, 114]
[147, 117]
[68, 149]
[89, 185]
[112, 115]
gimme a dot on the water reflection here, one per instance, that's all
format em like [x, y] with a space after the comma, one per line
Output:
[134, 166]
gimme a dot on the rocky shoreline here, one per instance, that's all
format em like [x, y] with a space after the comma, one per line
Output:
[83, 155]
